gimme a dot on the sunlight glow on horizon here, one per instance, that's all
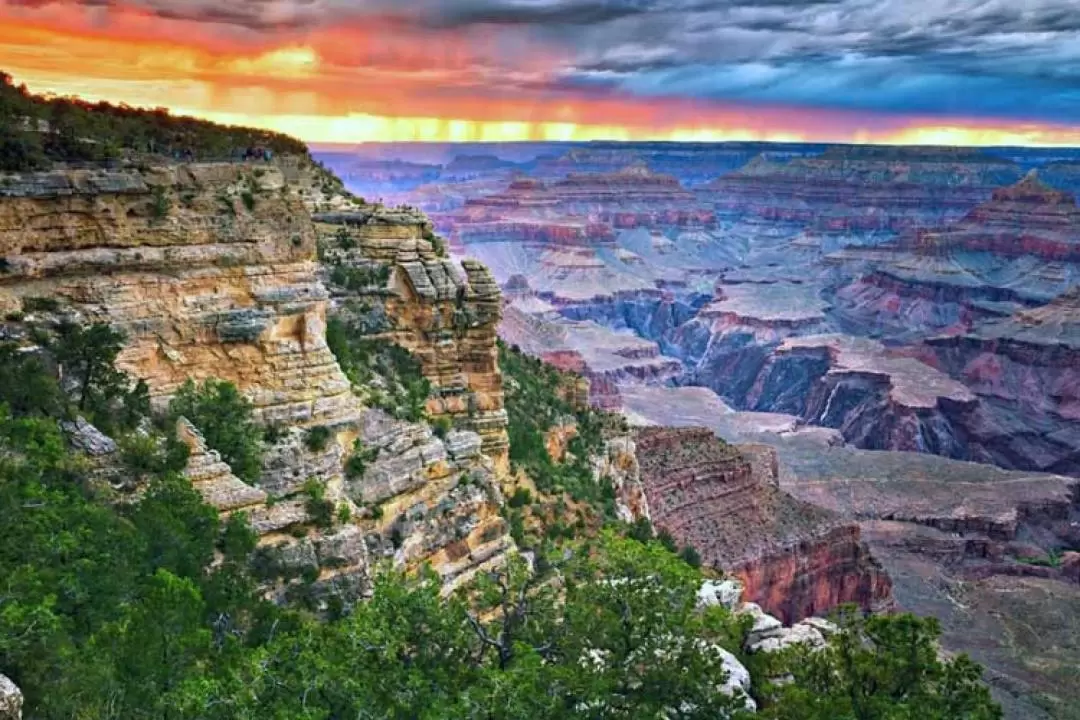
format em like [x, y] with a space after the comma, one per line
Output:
[298, 86]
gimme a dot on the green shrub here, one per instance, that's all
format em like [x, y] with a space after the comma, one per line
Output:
[145, 454]
[690, 556]
[27, 387]
[442, 427]
[40, 304]
[318, 507]
[358, 462]
[237, 540]
[160, 205]
[360, 279]
[273, 433]
[520, 498]
[344, 239]
[317, 438]
[226, 420]
[248, 199]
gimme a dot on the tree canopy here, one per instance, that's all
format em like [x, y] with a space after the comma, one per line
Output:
[36, 130]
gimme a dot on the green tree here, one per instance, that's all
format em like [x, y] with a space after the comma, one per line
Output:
[226, 420]
[157, 648]
[26, 386]
[880, 668]
[86, 357]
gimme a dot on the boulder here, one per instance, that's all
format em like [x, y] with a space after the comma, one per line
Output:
[765, 626]
[801, 634]
[726, 593]
[736, 679]
[463, 444]
[344, 547]
[85, 437]
[11, 700]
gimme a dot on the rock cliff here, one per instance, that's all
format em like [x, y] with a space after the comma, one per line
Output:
[795, 560]
[410, 295]
[210, 270]
[1028, 218]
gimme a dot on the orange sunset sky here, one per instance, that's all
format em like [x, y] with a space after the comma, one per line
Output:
[330, 71]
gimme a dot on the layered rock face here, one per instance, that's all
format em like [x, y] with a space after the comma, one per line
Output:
[579, 212]
[877, 400]
[210, 272]
[794, 559]
[1026, 368]
[446, 316]
[208, 269]
[856, 188]
[1028, 218]
[693, 163]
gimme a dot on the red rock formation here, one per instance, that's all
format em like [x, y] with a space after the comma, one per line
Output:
[1028, 218]
[796, 560]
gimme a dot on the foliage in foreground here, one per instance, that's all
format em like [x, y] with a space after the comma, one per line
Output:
[119, 610]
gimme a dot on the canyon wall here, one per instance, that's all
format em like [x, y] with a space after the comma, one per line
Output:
[210, 271]
[794, 559]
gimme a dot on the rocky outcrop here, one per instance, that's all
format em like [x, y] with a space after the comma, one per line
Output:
[210, 270]
[767, 634]
[1028, 218]
[1024, 367]
[429, 499]
[445, 316]
[794, 559]
[11, 700]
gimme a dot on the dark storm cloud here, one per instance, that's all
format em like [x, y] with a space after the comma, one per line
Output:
[975, 57]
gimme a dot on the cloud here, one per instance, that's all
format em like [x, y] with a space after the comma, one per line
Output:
[1000, 58]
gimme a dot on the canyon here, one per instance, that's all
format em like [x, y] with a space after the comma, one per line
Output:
[897, 324]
